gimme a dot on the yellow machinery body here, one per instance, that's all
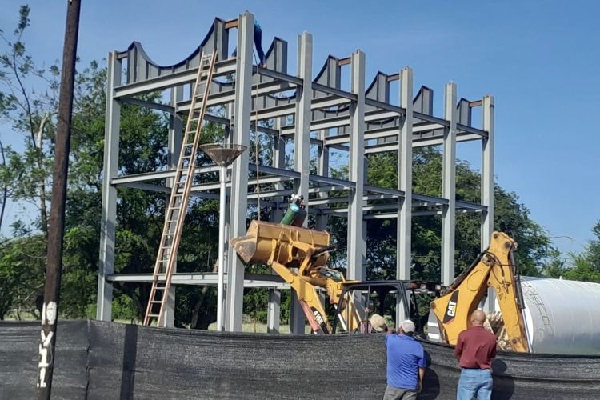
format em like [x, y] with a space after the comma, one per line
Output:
[258, 244]
[495, 269]
[299, 256]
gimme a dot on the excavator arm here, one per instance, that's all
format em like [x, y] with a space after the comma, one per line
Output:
[494, 268]
[299, 256]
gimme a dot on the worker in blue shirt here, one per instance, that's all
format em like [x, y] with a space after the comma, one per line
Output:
[406, 364]
[262, 58]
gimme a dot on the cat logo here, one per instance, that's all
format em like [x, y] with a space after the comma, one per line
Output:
[451, 308]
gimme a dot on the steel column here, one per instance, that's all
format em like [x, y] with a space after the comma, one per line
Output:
[239, 187]
[322, 170]
[106, 263]
[356, 248]
[221, 251]
[487, 184]
[449, 185]
[274, 311]
[278, 162]
[297, 318]
[303, 116]
[487, 172]
[302, 150]
[175, 141]
[405, 156]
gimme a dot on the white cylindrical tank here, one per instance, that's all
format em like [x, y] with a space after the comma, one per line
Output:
[562, 316]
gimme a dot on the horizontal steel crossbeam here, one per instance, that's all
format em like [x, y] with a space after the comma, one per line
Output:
[203, 279]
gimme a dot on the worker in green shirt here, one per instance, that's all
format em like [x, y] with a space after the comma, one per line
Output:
[296, 212]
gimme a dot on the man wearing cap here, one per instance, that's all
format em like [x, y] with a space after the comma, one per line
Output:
[475, 349]
[405, 364]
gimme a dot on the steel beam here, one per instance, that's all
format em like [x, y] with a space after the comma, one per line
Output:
[336, 92]
[405, 158]
[204, 279]
[150, 104]
[302, 118]
[225, 97]
[106, 262]
[474, 131]
[279, 76]
[222, 68]
[297, 318]
[487, 172]
[323, 170]
[279, 163]
[273, 311]
[487, 184]
[356, 248]
[449, 185]
[151, 176]
[241, 135]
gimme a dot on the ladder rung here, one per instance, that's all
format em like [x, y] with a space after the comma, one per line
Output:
[153, 315]
[156, 301]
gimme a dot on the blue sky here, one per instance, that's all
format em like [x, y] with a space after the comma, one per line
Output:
[538, 58]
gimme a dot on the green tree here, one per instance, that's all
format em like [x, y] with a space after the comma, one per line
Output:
[28, 101]
[584, 266]
[511, 216]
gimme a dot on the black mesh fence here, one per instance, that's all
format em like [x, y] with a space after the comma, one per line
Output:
[19, 359]
[98, 360]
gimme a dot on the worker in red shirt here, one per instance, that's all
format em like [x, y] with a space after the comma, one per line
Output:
[475, 349]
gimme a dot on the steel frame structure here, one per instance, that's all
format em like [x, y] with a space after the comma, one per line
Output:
[312, 114]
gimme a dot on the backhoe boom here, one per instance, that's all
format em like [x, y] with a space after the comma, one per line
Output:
[494, 268]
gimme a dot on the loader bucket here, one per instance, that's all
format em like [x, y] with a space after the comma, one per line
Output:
[292, 243]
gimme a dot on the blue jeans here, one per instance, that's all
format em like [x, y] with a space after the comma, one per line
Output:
[475, 383]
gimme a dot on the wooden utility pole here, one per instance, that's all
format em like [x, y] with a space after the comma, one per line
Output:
[57, 206]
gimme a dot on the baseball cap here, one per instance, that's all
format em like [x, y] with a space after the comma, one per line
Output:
[408, 326]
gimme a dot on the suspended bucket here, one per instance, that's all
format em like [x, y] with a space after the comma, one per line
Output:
[291, 243]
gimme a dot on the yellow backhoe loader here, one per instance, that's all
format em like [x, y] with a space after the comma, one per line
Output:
[494, 268]
[299, 256]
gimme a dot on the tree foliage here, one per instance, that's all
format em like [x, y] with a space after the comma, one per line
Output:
[28, 102]
[511, 216]
[584, 266]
